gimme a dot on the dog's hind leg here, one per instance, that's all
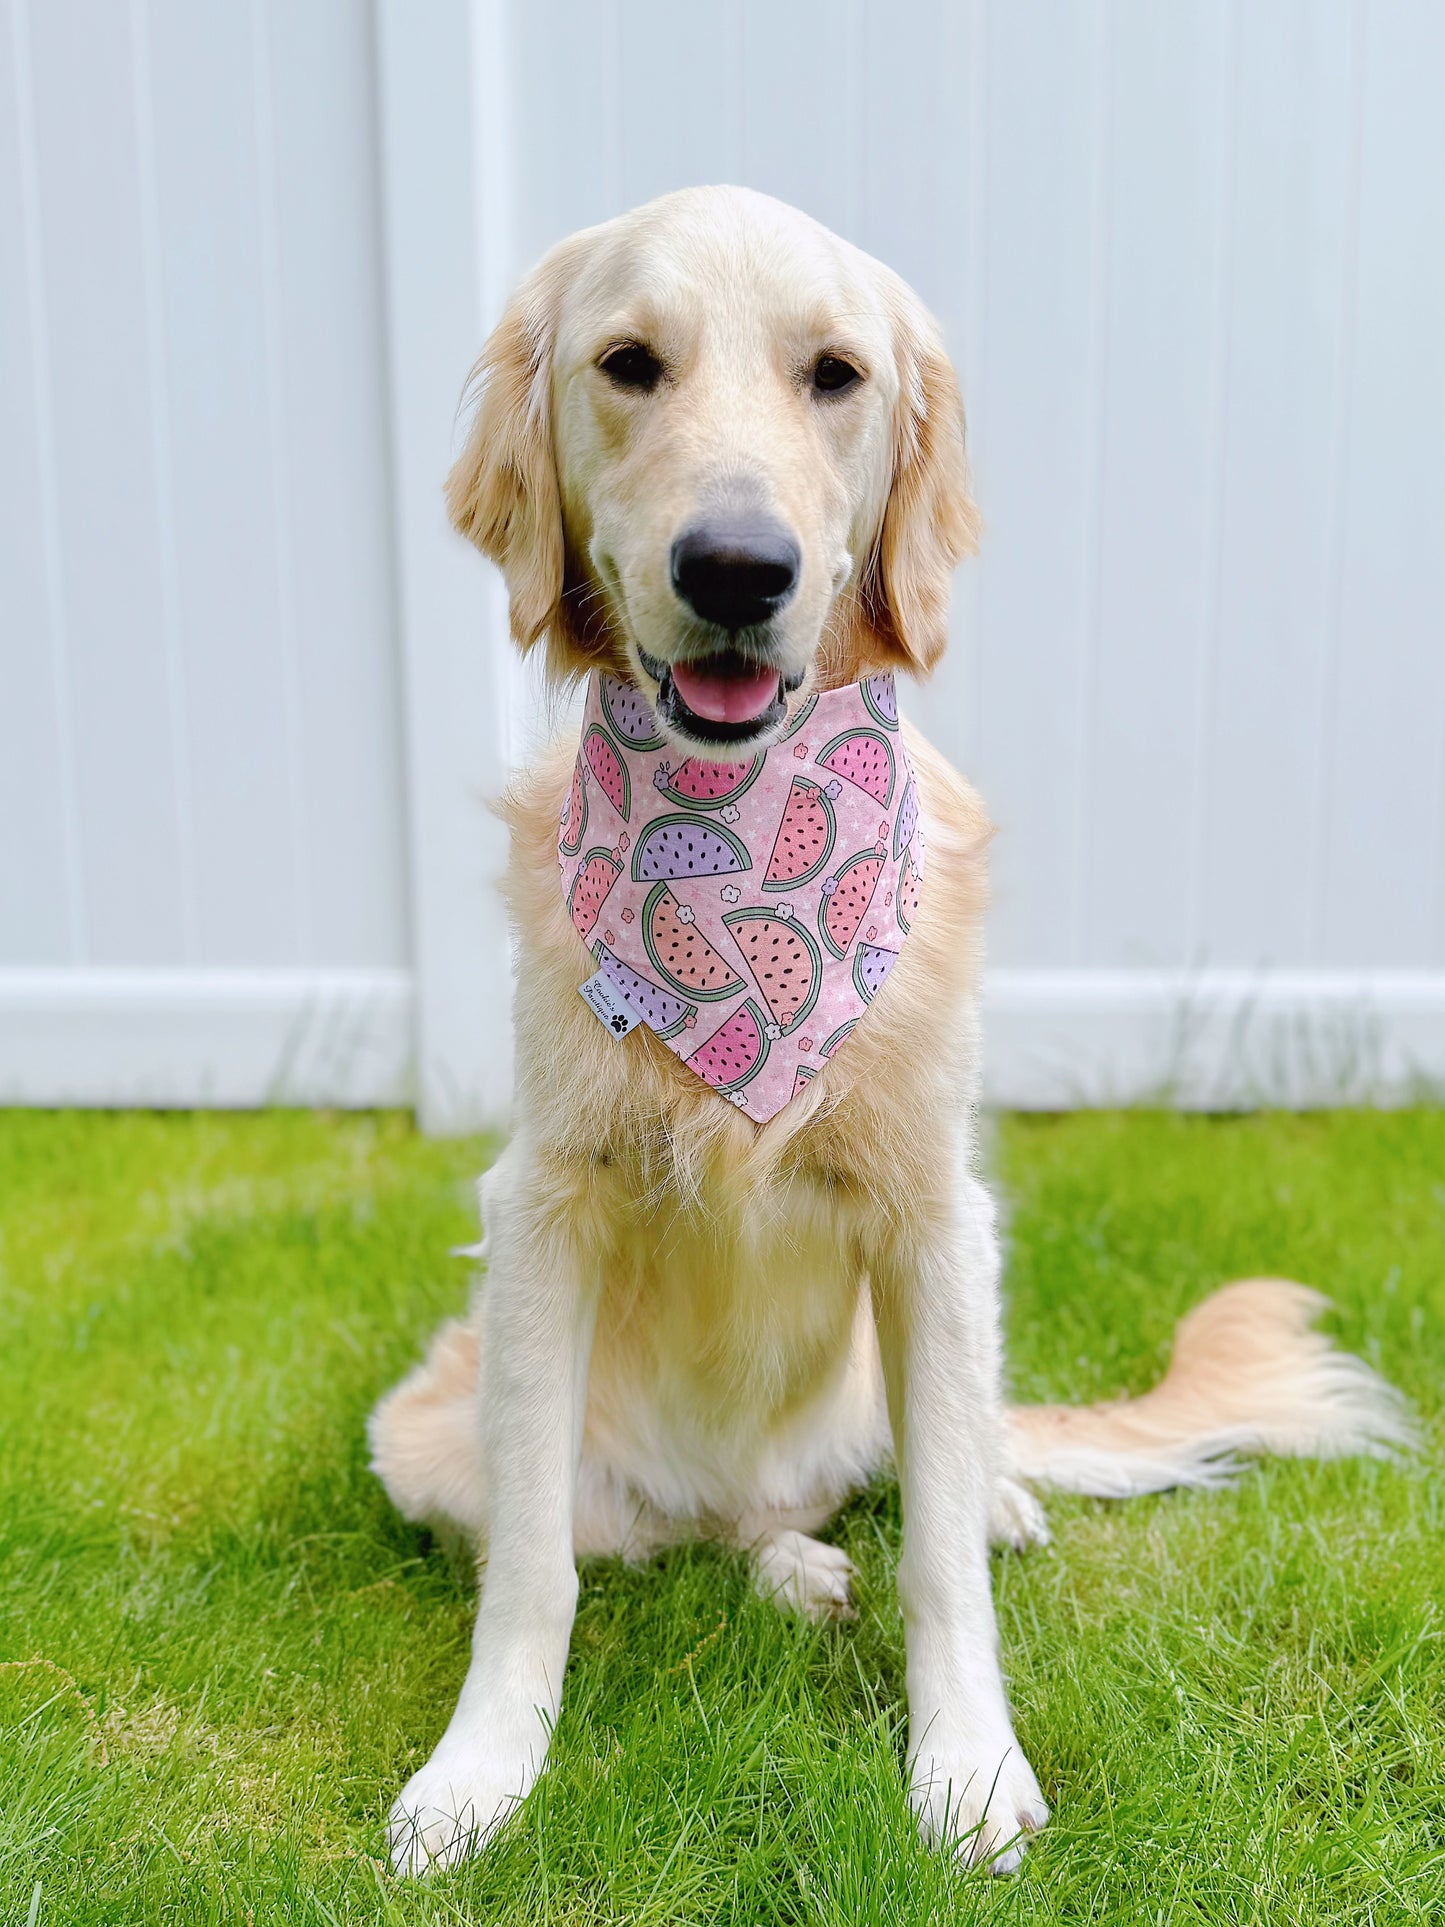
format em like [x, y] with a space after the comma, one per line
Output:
[797, 1572]
[426, 1448]
[426, 1444]
[1015, 1517]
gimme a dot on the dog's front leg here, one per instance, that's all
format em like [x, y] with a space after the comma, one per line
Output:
[537, 1313]
[935, 1290]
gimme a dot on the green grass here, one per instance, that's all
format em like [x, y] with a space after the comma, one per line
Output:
[1233, 1701]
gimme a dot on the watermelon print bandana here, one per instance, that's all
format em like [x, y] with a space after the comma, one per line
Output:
[748, 913]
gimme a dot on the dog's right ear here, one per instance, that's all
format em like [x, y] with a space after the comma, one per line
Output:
[502, 492]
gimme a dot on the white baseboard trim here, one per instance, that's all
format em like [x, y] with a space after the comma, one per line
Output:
[1053, 1040]
[1213, 1039]
[221, 1038]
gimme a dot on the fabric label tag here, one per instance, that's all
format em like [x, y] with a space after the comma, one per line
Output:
[608, 1005]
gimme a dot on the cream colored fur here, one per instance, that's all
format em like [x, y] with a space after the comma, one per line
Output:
[689, 1324]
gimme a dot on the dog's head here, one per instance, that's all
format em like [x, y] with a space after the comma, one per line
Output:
[719, 451]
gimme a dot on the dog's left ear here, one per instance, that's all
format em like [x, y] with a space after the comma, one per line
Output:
[930, 522]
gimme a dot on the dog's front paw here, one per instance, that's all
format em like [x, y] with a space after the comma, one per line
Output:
[979, 1802]
[452, 1806]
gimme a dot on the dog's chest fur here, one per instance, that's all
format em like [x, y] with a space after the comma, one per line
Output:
[720, 1333]
[733, 1307]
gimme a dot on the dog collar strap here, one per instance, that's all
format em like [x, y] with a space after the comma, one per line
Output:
[748, 913]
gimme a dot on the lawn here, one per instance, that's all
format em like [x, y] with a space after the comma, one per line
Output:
[223, 1652]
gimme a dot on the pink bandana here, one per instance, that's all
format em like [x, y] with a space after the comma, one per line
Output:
[747, 913]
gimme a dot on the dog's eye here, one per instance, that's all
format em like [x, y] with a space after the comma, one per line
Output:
[832, 374]
[631, 366]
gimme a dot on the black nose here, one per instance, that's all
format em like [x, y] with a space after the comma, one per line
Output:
[735, 575]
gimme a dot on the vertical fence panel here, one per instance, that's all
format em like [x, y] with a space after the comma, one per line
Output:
[132, 802]
[201, 858]
[1382, 898]
[41, 913]
[1290, 280]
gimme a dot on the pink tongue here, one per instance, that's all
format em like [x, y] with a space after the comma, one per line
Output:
[725, 699]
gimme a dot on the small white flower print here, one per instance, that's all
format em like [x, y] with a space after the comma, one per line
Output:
[729, 813]
[785, 911]
[737, 1097]
[731, 893]
[828, 886]
[774, 1031]
[684, 913]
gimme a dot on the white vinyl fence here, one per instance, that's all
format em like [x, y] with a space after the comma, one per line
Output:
[1190, 256]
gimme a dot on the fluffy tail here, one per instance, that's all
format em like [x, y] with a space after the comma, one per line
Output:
[1248, 1375]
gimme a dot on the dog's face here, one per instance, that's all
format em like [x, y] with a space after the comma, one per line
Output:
[719, 451]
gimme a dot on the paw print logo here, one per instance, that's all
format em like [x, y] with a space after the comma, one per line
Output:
[731, 893]
[729, 812]
[833, 790]
[619, 1025]
[661, 777]
[684, 913]
[828, 886]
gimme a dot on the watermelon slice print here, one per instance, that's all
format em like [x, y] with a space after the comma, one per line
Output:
[682, 955]
[804, 841]
[785, 963]
[799, 716]
[880, 695]
[908, 885]
[865, 759]
[589, 890]
[871, 966]
[841, 914]
[630, 714]
[574, 813]
[735, 1052]
[681, 846]
[907, 820]
[659, 1009]
[707, 786]
[804, 1077]
[836, 1039]
[611, 773]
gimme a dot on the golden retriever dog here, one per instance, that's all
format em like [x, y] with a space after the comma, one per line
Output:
[718, 454]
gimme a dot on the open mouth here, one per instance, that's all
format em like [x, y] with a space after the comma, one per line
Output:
[726, 697]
